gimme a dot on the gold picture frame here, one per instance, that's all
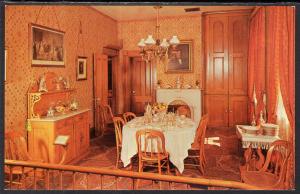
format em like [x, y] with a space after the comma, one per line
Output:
[46, 46]
[181, 59]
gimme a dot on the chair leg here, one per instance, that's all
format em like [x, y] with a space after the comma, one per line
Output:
[140, 170]
[168, 167]
[117, 163]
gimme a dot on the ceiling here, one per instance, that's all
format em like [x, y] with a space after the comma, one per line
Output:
[125, 13]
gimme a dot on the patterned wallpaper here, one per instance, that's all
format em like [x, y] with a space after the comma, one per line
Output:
[186, 28]
[98, 30]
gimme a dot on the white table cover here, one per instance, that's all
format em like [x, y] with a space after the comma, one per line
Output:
[263, 141]
[178, 139]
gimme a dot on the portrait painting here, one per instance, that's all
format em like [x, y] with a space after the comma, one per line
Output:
[179, 59]
[81, 73]
[47, 46]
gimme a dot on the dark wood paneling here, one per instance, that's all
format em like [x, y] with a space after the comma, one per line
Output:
[217, 108]
[217, 67]
[226, 49]
[238, 111]
[238, 49]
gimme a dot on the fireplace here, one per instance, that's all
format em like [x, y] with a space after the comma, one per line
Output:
[178, 97]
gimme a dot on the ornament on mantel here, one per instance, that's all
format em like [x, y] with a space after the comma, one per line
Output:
[42, 84]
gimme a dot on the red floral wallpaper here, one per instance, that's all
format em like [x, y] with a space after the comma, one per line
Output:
[186, 28]
[97, 31]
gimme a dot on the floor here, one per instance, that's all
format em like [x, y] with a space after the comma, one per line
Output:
[222, 152]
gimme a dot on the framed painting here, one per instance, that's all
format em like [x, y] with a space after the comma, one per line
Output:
[46, 46]
[179, 60]
[81, 73]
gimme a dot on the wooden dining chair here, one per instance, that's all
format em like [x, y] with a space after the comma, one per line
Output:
[197, 151]
[151, 150]
[16, 149]
[128, 116]
[105, 119]
[272, 175]
[118, 124]
[184, 110]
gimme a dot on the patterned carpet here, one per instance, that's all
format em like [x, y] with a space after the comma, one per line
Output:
[222, 154]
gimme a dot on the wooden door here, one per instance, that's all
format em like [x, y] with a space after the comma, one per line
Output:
[238, 49]
[238, 111]
[217, 48]
[217, 108]
[141, 84]
[100, 85]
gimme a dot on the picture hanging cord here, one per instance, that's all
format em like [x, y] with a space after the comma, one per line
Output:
[78, 41]
[51, 7]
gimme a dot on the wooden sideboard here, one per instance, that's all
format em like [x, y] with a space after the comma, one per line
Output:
[44, 131]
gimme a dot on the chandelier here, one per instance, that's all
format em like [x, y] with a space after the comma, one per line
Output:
[151, 48]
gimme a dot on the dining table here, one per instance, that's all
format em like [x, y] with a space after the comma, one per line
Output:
[179, 135]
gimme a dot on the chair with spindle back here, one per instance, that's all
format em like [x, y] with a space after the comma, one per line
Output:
[118, 124]
[198, 146]
[105, 119]
[273, 173]
[184, 110]
[151, 149]
[16, 149]
[128, 116]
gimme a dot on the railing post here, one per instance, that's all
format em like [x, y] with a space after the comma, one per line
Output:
[34, 178]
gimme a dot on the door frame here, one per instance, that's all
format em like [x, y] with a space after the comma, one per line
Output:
[127, 57]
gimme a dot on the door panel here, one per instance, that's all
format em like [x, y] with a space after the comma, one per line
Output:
[217, 108]
[238, 110]
[217, 66]
[66, 129]
[141, 85]
[238, 49]
[100, 85]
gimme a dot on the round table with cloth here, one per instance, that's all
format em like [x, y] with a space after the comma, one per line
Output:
[178, 138]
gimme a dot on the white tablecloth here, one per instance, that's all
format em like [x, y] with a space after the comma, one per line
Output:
[263, 141]
[178, 139]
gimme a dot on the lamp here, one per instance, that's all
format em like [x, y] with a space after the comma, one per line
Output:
[151, 47]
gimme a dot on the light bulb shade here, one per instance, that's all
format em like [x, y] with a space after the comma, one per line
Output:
[149, 40]
[164, 43]
[142, 44]
[174, 40]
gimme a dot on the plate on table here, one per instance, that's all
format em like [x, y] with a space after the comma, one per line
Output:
[250, 129]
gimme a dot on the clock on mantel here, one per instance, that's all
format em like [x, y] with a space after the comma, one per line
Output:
[55, 91]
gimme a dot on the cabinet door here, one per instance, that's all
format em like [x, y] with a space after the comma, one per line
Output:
[65, 127]
[238, 49]
[217, 108]
[238, 110]
[217, 55]
[81, 129]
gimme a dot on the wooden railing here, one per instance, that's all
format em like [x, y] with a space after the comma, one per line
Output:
[56, 171]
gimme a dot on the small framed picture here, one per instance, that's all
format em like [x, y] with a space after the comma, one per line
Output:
[81, 68]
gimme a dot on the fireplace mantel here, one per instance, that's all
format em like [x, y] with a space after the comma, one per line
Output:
[192, 97]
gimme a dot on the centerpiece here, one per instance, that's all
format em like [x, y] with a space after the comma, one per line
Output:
[159, 107]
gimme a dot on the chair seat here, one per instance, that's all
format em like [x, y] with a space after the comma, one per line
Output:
[260, 179]
[155, 157]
